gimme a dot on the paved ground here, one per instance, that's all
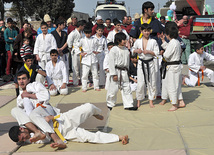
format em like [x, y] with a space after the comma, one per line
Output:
[151, 131]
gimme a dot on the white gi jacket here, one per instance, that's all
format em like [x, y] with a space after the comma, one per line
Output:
[58, 72]
[43, 46]
[100, 44]
[39, 90]
[118, 56]
[73, 41]
[110, 37]
[151, 46]
[172, 53]
[88, 46]
[197, 60]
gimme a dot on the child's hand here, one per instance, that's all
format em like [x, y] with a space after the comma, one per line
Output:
[115, 78]
[52, 87]
[202, 68]
[25, 94]
[38, 58]
[95, 52]
[139, 51]
[16, 54]
[107, 70]
[161, 52]
[63, 86]
[82, 54]
[48, 118]
[145, 52]
[135, 80]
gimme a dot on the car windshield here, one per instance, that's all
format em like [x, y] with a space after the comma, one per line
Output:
[119, 14]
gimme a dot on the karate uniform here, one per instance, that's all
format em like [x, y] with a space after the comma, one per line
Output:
[101, 47]
[133, 74]
[112, 33]
[106, 66]
[151, 76]
[57, 75]
[73, 43]
[69, 122]
[171, 85]
[119, 58]
[194, 63]
[42, 48]
[89, 62]
[26, 105]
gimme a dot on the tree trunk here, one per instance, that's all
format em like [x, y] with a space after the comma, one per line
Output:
[19, 12]
[2, 9]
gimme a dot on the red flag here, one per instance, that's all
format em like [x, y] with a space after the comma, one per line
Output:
[194, 6]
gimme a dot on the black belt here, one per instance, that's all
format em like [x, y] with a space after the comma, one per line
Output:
[124, 69]
[164, 64]
[143, 68]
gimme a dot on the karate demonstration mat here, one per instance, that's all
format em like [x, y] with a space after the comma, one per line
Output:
[188, 130]
[5, 99]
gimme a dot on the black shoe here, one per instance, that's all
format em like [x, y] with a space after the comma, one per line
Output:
[110, 108]
[132, 108]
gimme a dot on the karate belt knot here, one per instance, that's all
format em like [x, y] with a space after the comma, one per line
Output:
[56, 125]
[40, 104]
[202, 71]
[143, 68]
[120, 69]
[164, 64]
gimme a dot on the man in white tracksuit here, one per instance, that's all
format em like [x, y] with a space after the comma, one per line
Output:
[57, 76]
[147, 49]
[118, 71]
[44, 44]
[197, 68]
[68, 123]
[101, 47]
[73, 43]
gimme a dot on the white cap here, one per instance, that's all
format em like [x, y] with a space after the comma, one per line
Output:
[98, 17]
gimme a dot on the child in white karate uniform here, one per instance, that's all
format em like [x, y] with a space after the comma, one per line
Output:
[101, 48]
[57, 75]
[89, 60]
[106, 65]
[118, 70]
[197, 68]
[44, 44]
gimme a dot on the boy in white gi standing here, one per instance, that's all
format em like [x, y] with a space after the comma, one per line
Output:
[147, 49]
[73, 44]
[117, 29]
[171, 85]
[44, 44]
[118, 70]
[57, 75]
[197, 68]
[101, 48]
[89, 60]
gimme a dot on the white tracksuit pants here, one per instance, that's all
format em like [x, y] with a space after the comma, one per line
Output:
[151, 84]
[171, 86]
[100, 57]
[113, 88]
[85, 73]
[76, 68]
[193, 77]
[58, 83]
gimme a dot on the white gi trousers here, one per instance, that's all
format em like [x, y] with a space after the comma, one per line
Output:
[76, 68]
[157, 62]
[85, 73]
[58, 83]
[151, 83]
[193, 77]
[126, 92]
[171, 86]
[107, 80]
[100, 58]
[65, 59]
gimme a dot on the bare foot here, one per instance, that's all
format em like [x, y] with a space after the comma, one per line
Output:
[162, 102]
[97, 90]
[98, 116]
[84, 91]
[173, 108]
[151, 104]
[138, 103]
[58, 144]
[124, 139]
[183, 79]
[37, 136]
[181, 104]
